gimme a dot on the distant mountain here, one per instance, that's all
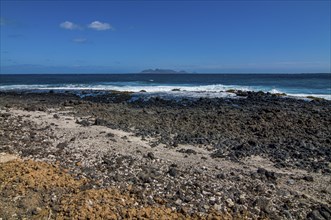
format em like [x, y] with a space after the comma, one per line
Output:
[160, 71]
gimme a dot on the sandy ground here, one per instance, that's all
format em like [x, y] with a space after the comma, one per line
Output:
[95, 140]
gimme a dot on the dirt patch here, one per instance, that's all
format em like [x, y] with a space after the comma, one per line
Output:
[38, 190]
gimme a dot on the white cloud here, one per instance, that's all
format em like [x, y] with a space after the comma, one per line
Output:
[79, 40]
[99, 26]
[69, 25]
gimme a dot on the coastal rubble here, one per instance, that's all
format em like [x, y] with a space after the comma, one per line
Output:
[258, 157]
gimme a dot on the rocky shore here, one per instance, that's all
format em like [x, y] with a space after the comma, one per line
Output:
[255, 156]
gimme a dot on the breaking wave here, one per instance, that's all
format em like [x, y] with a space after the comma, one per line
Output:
[162, 90]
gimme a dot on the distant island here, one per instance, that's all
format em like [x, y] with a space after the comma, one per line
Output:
[160, 71]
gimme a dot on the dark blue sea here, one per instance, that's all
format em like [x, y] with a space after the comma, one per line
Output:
[191, 85]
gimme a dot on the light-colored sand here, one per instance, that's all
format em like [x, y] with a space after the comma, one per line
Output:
[94, 139]
[7, 157]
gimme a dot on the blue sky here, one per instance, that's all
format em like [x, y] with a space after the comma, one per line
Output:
[196, 36]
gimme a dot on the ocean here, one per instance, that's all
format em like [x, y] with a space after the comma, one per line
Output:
[173, 85]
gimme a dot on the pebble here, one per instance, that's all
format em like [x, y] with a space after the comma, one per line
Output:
[308, 178]
[213, 199]
[242, 199]
[178, 202]
[172, 171]
[36, 211]
[229, 202]
[218, 207]
[151, 156]
[221, 176]
[290, 181]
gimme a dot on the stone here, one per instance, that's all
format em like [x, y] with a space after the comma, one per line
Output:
[99, 121]
[287, 214]
[145, 178]
[221, 176]
[290, 181]
[218, 207]
[151, 156]
[111, 135]
[213, 199]
[178, 202]
[229, 202]
[268, 174]
[172, 171]
[264, 204]
[242, 199]
[36, 211]
[84, 123]
[308, 178]
[315, 215]
[187, 151]
[322, 212]
[61, 146]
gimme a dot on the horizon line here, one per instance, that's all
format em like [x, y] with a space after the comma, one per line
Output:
[160, 73]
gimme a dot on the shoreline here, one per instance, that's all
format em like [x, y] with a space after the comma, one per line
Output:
[259, 157]
[173, 94]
